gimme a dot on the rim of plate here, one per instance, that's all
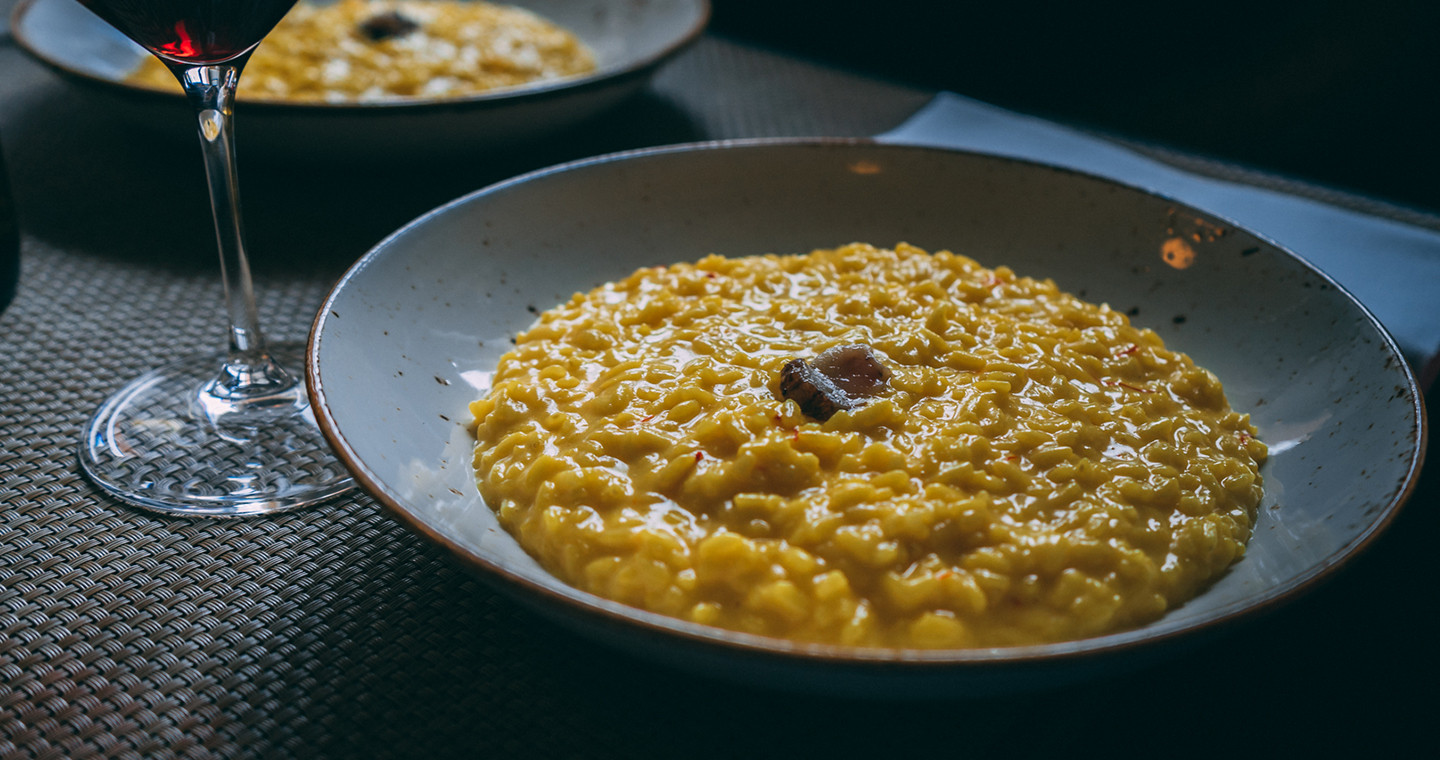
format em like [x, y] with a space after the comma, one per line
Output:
[600, 78]
[614, 613]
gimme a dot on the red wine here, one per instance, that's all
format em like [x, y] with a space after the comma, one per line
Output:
[193, 31]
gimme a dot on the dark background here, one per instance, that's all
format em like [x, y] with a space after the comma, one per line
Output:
[1340, 93]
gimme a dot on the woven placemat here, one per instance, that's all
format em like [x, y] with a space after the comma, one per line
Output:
[333, 631]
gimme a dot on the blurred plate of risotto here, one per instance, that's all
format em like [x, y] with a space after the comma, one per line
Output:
[409, 76]
[858, 416]
[355, 51]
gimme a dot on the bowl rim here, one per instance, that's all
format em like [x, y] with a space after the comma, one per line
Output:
[603, 610]
[601, 78]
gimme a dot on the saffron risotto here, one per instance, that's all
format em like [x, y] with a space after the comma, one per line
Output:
[337, 53]
[1036, 468]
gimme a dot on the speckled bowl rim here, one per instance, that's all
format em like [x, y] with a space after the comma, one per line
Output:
[492, 99]
[899, 660]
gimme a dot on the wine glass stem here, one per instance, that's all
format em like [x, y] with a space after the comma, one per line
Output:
[249, 369]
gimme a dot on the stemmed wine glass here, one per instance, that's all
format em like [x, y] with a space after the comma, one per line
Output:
[226, 434]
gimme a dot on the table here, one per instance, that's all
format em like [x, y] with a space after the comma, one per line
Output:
[334, 632]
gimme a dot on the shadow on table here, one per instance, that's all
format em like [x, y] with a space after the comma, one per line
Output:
[532, 689]
[141, 192]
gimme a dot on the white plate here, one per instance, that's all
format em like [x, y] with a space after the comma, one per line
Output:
[411, 334]
[630, 40]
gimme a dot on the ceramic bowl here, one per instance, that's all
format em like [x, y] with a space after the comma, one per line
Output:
[630, 40]
[414, 330]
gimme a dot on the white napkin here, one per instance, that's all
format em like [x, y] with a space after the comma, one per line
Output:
[1391, 267]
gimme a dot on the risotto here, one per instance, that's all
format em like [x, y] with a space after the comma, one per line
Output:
[1024, 467]
[369, 50]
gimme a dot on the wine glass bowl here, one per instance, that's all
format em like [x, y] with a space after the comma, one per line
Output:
[230, 433]
[192, 32]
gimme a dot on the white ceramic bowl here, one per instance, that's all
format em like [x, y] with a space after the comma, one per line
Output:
[411, 334]
[630, 40]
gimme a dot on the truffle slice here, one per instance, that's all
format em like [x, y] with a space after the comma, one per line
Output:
[841, 378]
[854, 369]
[387, 26]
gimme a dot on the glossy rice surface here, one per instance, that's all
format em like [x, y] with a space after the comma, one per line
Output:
[1036, 468]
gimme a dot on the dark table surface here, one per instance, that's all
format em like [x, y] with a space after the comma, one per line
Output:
[1339, 92]
[334, 632]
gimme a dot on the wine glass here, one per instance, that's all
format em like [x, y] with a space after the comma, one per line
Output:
[230, 433]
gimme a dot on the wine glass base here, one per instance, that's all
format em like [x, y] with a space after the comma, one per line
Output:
[155, 445]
